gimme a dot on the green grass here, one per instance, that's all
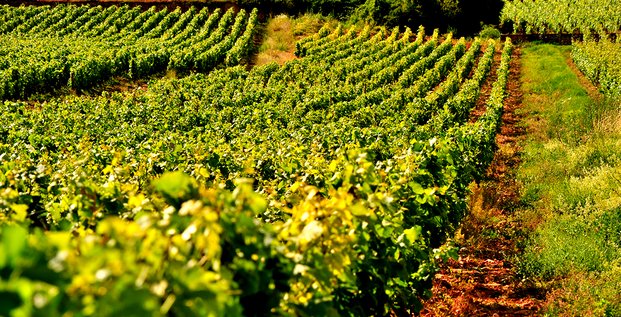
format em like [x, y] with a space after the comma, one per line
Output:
[571, 177]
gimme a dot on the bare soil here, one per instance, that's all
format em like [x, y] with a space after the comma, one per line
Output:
[483, 281]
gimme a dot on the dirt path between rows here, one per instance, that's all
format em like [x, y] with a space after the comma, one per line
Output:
[484, 281]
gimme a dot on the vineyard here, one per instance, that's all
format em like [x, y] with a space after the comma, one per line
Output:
[562, 16]
[599, 50]
[42, 47]
[324, 186]
[599, 61]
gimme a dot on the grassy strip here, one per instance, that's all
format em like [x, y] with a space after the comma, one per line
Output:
[571, 176]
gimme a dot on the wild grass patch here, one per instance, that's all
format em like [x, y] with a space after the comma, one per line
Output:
[283, 31]
[571, 177]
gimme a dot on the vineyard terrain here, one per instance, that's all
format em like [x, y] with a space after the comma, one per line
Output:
[353, 160]
[196, 161]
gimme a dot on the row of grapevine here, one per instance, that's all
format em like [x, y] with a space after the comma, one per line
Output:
[47, 47]
[291, 192]
[562, 16]
[599, 61]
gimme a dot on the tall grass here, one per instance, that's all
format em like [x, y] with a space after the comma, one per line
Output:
[283, 31]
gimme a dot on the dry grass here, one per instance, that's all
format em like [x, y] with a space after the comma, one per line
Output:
[281, 34]
[585, 294]
[277, 56]
[279, 42]
[609, 122]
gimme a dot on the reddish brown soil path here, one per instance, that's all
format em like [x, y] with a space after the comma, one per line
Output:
[484, 281]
